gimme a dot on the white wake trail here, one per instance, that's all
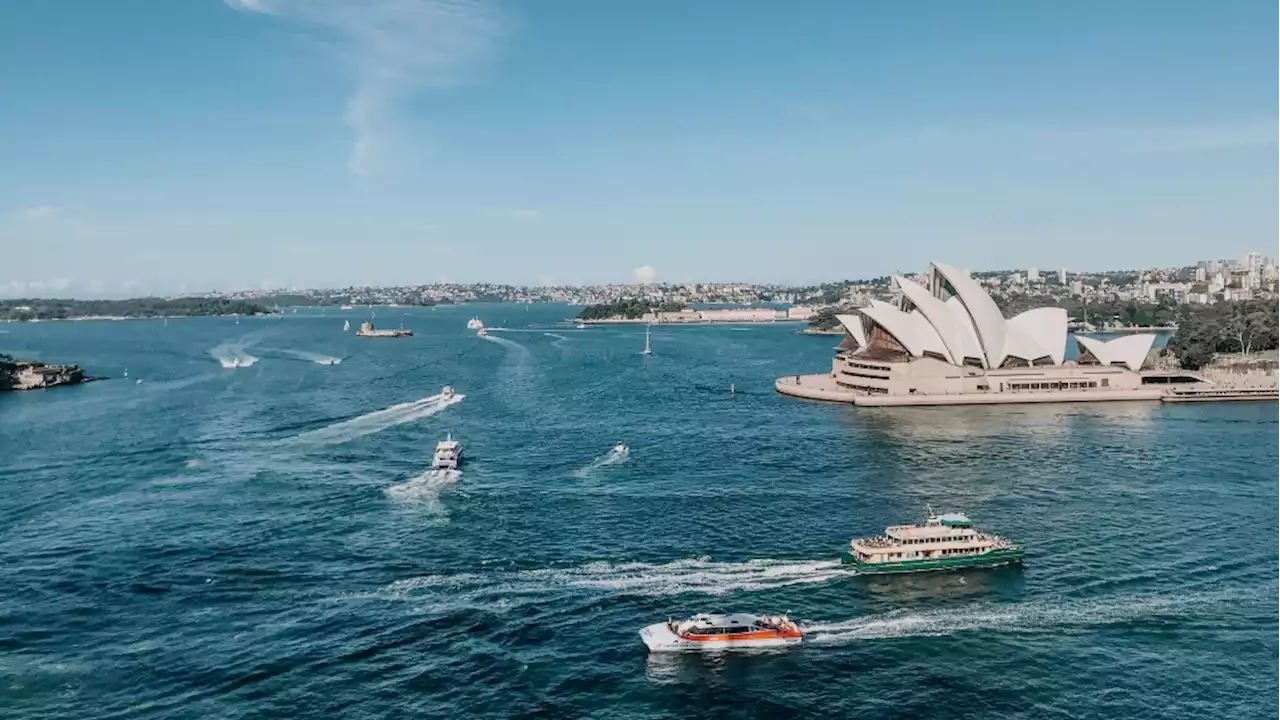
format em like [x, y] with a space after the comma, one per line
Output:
[700, 576]
[1035, 616]
[315, 357]
[424, 490]
[379, 420]
[232, 355]
[609, 459]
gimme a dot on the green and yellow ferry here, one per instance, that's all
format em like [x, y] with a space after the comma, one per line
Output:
[942, 542]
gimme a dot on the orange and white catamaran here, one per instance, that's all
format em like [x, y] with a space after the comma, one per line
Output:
[720, 632]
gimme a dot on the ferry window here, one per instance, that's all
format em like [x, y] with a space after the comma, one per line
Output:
[1106, 382]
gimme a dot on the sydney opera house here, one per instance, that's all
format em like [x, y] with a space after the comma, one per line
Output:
[947, 343]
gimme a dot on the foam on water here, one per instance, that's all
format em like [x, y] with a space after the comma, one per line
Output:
[1036, 616]
[699, 575]
[609, 459]
[315, 357]
[234, 354]
[379, 420]
[424, 490]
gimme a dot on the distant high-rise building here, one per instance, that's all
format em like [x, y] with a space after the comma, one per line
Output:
[1062, 276]
[1201, 274]
[1033, 275]
[1077, 287]
[1253, 262]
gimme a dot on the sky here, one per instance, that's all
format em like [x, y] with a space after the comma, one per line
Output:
[155, 146]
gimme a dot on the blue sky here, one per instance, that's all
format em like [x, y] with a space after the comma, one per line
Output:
[160, 146]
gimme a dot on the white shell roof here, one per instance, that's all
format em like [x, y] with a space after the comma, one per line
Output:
[853, 325]
[967, 325]
[1131, 350]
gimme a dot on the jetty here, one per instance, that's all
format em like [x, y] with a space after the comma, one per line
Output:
[368, 330]
[32, 375]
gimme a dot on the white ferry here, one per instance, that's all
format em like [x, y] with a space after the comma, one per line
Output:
[942, 542]
[721, 632]
[448, 454]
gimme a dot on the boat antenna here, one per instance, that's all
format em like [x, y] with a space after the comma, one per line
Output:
[928, 510]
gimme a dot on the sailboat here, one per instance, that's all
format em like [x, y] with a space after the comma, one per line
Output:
[647, 350]
[346, 326]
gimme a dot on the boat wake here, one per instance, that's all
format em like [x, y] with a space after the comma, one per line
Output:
[1029, 617]
[503, 341]
[424, 490]
[701, 575]
[233, 355]
[609, 459]
[379, 420]
[318, 358]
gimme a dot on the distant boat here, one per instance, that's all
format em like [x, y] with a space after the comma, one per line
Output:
[647, 350]
[346, 326]
[474, 324]
[346, 307]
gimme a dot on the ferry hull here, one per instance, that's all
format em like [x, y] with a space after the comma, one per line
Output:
[1003, 556]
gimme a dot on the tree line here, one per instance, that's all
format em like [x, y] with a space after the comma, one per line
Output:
[58, 309]
[1243, 326]
[629, 308]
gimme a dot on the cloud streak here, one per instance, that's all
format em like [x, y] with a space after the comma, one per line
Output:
[41, 212]
[395, 48]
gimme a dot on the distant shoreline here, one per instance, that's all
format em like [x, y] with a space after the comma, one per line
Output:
[641, 321]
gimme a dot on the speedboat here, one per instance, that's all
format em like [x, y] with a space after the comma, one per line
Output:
[474, 324]
[621, 449]
[448, 454]
[721, 632]
[447, 392]
[580, 326]
[482, 333]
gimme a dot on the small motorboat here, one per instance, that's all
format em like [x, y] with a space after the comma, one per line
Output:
[621, 449]
[448, 454]
[482, 333]
[721, 632]
[580, 326]
[474, 324]
[447, 392]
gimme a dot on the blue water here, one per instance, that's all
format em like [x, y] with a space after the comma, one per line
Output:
[262, 542]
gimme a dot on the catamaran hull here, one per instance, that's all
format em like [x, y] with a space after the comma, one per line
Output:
[994, 558]
[659, 638]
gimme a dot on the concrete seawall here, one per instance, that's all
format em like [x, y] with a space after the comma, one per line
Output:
[814, 387]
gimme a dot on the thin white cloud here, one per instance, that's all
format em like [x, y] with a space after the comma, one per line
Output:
[396, 48]
[41, 212]
[645, 274]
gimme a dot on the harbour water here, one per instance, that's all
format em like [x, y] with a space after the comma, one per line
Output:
[264, 540]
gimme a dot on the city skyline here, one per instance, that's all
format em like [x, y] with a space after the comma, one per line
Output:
[162, 148]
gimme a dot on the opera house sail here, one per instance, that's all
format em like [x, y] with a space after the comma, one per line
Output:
[946, 342]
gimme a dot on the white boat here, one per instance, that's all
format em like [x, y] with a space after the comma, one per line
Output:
[448, 454]
[346, 326]
[721, 632]
[474, 324]
[647, 350]
[621, 449]
[447, 392]
[482, 333]
[580, 326]
[347, 307]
